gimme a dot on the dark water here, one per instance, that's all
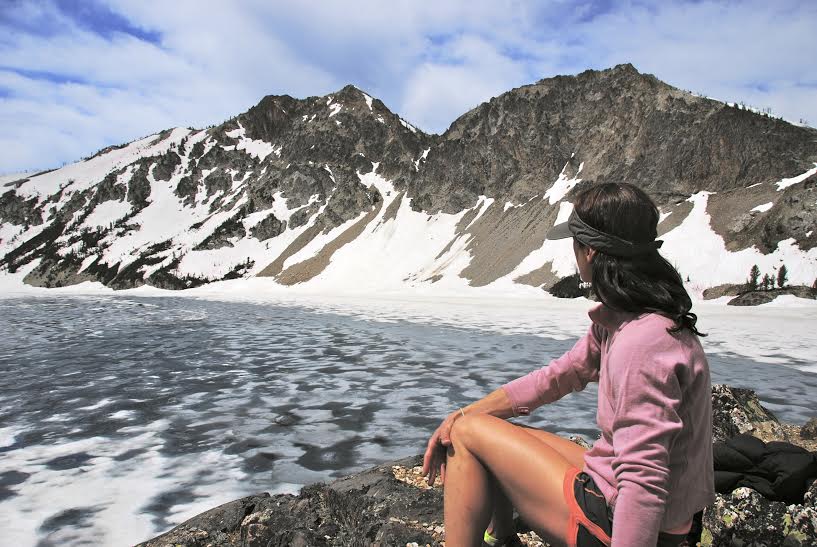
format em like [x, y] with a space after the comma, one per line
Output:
[122, 416]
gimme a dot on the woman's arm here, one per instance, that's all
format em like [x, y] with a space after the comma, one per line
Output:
[646, 420]
[570, 372]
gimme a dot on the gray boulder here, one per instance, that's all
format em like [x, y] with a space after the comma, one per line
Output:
[736, 411]
[368, 508]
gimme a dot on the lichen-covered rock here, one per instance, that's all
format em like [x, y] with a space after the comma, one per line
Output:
[744, 517]
[748, 519]
[736, 410]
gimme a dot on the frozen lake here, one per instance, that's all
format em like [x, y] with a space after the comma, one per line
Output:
[121, 416]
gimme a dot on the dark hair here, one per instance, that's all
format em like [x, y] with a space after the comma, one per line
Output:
[644, 282]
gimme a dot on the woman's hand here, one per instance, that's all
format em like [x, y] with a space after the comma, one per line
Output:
[495, 403]
[435, 456]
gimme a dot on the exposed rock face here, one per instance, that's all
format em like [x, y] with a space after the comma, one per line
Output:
[391, 505]
[268, 228]
[509, 167]
[15, 209]
[621, 125]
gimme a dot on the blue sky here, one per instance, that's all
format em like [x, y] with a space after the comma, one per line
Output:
[76, 76]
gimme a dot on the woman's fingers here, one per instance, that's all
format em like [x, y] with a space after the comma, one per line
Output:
[435, 454]
[436, 466]
[430, 462]
[432, 471]
[429, 453]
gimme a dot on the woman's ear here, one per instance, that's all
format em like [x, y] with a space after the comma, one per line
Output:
[591, 253]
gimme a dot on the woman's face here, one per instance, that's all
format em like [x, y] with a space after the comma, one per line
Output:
[584, 257]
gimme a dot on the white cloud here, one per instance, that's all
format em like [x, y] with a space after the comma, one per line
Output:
[428, 62]
[471, 72]
[738, 51]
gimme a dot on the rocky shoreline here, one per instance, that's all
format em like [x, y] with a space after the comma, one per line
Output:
[391, 505]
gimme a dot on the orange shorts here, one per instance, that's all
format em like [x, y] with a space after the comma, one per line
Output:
[591, 521]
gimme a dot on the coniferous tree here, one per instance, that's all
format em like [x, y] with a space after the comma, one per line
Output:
[754, 274]
[765, 282]
[782, 276]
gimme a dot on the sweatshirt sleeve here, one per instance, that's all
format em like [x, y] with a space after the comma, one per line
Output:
[570, 372]
[646, 406]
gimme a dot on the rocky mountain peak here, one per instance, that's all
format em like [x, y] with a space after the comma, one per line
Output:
[622, 126]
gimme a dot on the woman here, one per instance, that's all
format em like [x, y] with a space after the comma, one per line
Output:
[651, 470]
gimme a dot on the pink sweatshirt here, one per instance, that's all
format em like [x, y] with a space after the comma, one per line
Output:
[653, 462]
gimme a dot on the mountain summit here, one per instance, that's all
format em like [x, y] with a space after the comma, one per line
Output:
[338, 191]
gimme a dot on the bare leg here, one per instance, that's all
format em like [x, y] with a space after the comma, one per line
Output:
[529, 472]
[501, 524]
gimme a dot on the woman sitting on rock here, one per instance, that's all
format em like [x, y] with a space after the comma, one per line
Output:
[651, 470]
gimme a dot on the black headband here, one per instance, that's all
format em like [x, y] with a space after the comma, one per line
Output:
[601, 241]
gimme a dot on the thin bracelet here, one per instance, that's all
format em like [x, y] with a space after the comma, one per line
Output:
[462, 412]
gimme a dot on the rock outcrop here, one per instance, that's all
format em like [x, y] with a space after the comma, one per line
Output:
[755, 298]
[391, 504]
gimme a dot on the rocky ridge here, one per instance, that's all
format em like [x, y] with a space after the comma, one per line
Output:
[391, 504]
[279, 190]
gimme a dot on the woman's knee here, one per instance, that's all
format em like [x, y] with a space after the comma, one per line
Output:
[468, 429]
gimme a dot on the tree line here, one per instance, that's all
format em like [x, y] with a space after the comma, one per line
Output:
[767, 282]
[755, 283]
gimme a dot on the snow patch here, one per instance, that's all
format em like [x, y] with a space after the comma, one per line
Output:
[785, 183]
[255, 148]
[562, 186]
[407, 125]
[385, 187]
[107, 213]
[421, 158]
[236, 133]
[763, 208]
[331, 175]
[368, 100]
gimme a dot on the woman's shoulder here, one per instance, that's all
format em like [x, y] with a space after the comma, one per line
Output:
[657, 330]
